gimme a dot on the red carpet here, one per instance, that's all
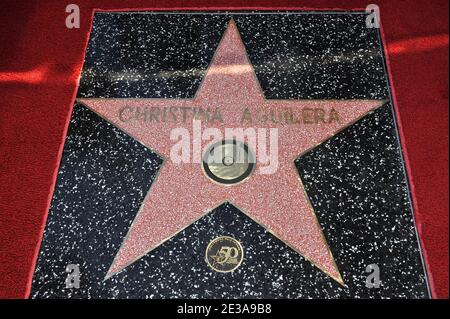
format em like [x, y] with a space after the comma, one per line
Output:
[40, 61]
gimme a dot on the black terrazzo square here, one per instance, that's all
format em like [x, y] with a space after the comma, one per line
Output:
[356, 181]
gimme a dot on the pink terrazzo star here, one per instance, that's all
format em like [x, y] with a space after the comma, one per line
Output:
[182, 193]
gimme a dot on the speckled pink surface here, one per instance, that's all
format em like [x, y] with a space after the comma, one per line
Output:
[182, 193]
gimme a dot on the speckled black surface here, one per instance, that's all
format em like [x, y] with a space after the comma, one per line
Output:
[356, 180]
[357, 186]
[297, 56]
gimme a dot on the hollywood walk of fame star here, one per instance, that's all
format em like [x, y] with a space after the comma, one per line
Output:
[182, 193]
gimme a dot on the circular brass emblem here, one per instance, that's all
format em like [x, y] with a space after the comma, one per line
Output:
[224, 254]
[228, 162]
